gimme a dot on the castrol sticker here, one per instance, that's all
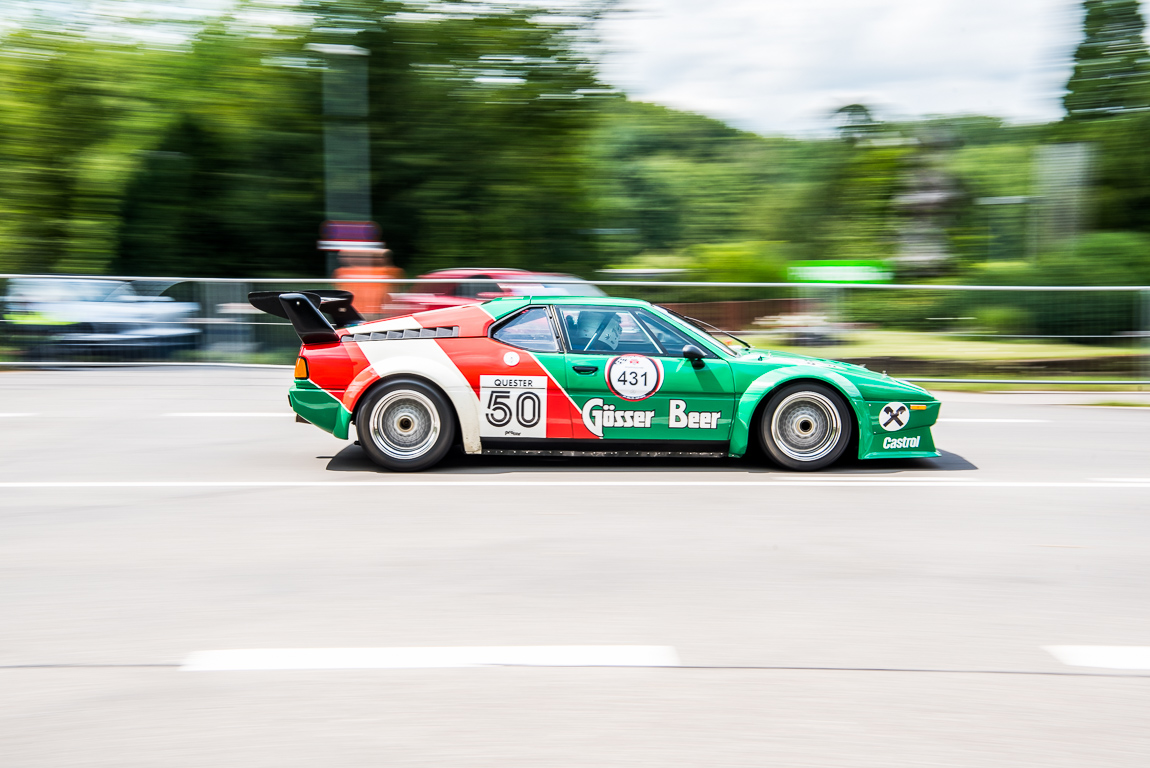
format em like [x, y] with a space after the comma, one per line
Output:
[634, 377]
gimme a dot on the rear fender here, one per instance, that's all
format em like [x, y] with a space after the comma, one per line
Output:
[424, 359]
[761, 388]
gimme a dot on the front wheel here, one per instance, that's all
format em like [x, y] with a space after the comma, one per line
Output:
[806, 426]
[406, 425]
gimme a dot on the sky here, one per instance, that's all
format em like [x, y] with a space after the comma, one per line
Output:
[782, 66]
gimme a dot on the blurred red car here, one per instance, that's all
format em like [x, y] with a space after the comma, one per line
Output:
[472, 285]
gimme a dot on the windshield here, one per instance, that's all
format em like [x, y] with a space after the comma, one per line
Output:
[713, 332]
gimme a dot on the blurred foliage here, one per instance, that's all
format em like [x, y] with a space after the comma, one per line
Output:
[1112, 65]
[1004, 319]
[205, 156]
[749, 262]
[181, 146]
[1096, 259]
[1120, 189]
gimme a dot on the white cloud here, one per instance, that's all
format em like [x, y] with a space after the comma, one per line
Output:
[780, 66]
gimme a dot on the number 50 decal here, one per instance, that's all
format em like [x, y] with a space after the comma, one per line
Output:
[527, 409]
[513, 406]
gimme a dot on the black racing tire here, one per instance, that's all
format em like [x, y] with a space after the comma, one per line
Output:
[406, 425]
[806, 426]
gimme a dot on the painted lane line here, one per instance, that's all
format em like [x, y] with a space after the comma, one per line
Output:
[331, 484]
[432, 658]
[224, 414]
[997, 421]
[898, 478]
[1102, 656]
[16, 415]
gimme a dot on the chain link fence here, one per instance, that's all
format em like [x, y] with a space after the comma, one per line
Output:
[927, 332]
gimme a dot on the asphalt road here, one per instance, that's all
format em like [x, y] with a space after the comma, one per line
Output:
[889, 614]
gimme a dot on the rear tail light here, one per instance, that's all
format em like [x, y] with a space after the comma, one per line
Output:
[300, 368]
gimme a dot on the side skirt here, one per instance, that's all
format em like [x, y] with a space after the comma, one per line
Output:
[610, 454]
[711, 449]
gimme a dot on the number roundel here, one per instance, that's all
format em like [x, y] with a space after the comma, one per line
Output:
[634, 377]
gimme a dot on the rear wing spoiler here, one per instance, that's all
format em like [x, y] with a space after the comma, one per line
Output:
[306, 310]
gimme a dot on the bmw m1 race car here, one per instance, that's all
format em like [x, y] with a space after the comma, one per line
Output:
[571, 375]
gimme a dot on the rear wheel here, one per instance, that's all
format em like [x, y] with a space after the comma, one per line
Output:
[806, 426]
[406, 425]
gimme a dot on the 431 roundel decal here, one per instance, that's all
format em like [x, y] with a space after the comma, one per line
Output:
[634, 377]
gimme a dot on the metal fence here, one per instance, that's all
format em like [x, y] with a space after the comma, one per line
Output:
[1097, 334]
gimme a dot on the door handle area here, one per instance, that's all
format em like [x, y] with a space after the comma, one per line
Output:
[585, 369]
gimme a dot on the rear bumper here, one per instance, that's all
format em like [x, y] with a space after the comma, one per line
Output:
[319, 407]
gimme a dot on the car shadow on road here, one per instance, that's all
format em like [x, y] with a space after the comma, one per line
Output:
[354, 459]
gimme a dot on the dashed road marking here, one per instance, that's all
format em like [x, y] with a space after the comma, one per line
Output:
[431, 658]
[996, 421]
[226, 414]
[1102, 656]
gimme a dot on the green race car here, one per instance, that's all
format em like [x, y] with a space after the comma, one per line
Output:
[583, 376]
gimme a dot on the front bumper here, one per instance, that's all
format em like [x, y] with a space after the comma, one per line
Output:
[912, 439]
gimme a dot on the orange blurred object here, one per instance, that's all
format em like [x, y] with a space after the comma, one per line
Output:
[369, 297]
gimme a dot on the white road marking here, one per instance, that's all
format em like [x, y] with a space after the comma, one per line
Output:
[225, 414]
[899, 478]
[332, 484]
[998, 421]
[16, 415]
[431, 658]
[1102, 656]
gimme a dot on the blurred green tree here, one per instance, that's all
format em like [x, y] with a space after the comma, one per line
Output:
[480, 129]
[73, 114]
[1111, 65]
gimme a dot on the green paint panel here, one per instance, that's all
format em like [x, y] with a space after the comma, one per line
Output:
[690, 404]
[320, 408]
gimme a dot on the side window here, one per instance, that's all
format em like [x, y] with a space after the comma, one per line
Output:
[606, 330]
[529, 330]
[669, 338]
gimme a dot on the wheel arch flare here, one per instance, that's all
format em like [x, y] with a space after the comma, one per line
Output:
[754, 398]
[430, 363]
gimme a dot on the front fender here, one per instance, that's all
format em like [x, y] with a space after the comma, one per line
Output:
[765, 384]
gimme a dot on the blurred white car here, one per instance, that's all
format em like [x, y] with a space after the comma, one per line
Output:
[93, 316]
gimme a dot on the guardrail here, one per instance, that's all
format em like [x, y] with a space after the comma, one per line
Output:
[939, 333]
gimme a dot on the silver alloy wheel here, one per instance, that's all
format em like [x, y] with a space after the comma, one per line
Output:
[404, 424]
[806, 426]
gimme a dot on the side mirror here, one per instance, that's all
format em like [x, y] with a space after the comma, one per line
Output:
[694, 354]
